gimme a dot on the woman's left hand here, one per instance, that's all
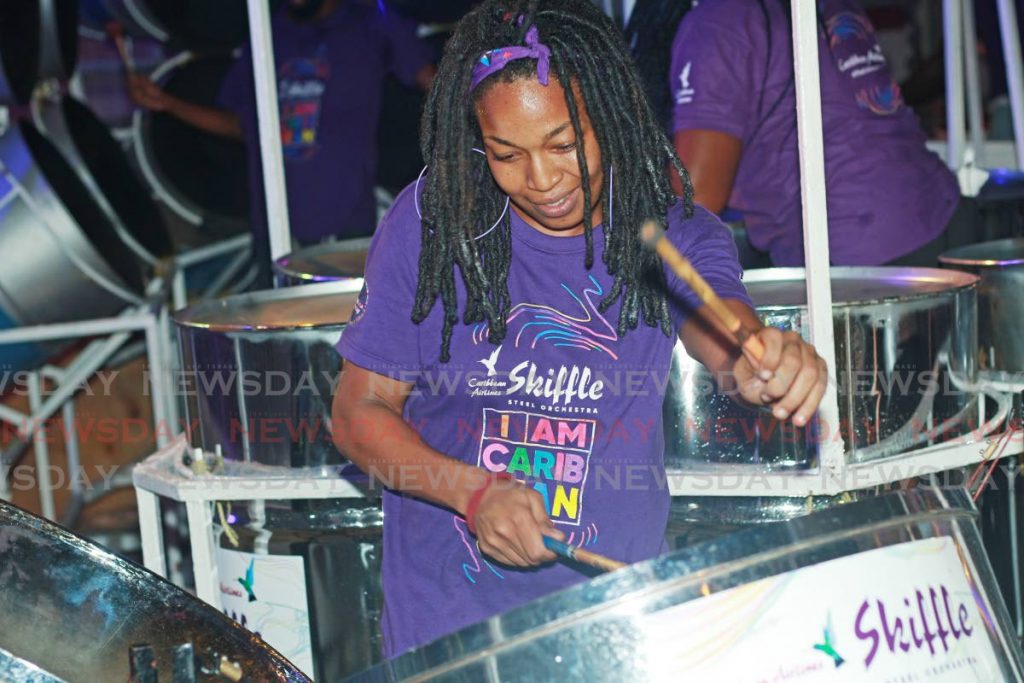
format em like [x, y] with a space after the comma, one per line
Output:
[790, 378]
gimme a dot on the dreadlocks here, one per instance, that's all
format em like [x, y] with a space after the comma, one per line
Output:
[461, 199]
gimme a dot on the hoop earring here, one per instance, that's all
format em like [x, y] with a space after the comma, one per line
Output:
[416, 202]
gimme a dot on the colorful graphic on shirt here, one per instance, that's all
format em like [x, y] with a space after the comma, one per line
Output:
[848, 25]
[472, 571]
[882, 100]
[359, 309]
[301, 84]
[550, 454]
[531, 324]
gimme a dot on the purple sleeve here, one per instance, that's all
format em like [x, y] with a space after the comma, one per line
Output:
[237, 91]
[406, 53]
[381, 336]
[707, 243]
[718, 65]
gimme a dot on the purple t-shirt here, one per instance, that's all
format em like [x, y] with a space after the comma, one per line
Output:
[329, 80]
[563, 402]
[733, 73]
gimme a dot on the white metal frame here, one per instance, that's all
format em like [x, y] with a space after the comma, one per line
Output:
[241, 246]
[155, 477]
[112, 333]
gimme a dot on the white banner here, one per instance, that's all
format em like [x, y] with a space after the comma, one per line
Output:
[267, 595]
[899, 614]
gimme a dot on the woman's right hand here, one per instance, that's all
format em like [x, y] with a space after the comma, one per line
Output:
[146, 93]
[511, 522]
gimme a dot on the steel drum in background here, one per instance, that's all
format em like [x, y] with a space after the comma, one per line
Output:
[259, 371]
[1000, 265]
[57, 246]
[331, 261]
[37, 42]
[905, 341]
[200, 178]
[185, 23]
[74, 610]
[625, 626]
[103, 168]
[341, 549]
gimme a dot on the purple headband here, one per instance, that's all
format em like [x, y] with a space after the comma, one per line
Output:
[495, 60]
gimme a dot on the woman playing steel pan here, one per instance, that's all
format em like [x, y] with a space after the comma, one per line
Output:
[507, 360]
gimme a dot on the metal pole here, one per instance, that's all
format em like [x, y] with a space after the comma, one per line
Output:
[975, 120]
[157, 380]
[1014, 77]
[42, 449]
[815, 222]
[265, 77]
[200, 527]
[151, 531]
[955, 125]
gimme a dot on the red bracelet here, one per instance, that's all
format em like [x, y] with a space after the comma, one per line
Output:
[478, 495]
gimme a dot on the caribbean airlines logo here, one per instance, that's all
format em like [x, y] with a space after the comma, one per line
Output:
[685, 93]
[249, 580]
[490, 362]
[827, 645]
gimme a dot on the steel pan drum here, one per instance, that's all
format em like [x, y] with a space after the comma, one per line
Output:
[1000, 264]
[73, 609]
[259, 372]
[905, 342]
[199, 177]
[55, 247]
[644, 623]
[37, 42]
[341, 260]
[103, 168]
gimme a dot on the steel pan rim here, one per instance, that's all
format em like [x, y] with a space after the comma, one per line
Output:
[640, 581]
[957, 281]
[960, 257]
[17, 520]
[159, 181]
[199, 316]
[282, 265]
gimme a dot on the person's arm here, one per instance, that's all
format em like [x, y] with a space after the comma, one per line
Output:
[213, 120]
[425, 77]
[790, 379]
[711, 158]
[367, 426]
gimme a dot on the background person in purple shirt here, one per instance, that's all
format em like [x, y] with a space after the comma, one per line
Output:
[332, 57]
[889, 198]
[512, 325]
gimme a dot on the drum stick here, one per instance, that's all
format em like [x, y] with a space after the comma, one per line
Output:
[116, 33]
[653, 236]
[582, 556]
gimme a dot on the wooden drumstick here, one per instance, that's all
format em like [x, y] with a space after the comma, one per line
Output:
[582, 556]
[654, 237]
[116, 33]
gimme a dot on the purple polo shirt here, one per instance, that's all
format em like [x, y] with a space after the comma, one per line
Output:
[329, 79]
[564, 403]
[732, 72]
